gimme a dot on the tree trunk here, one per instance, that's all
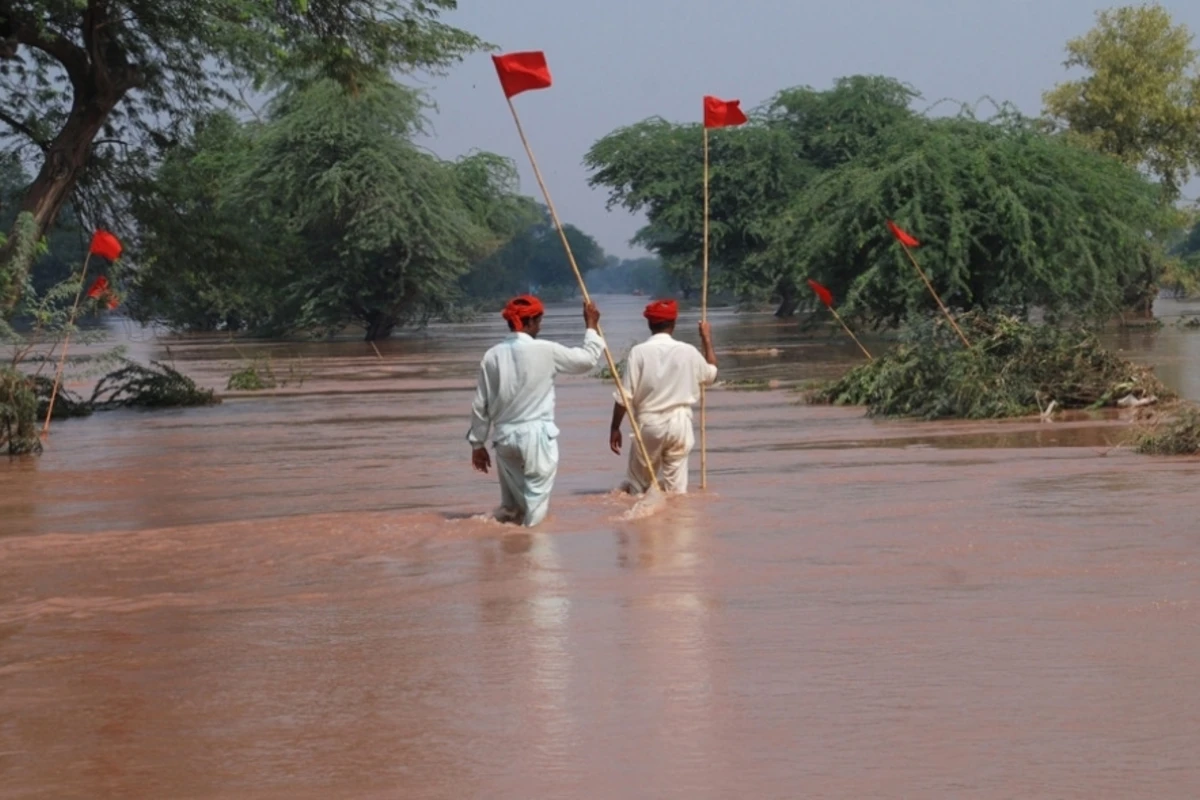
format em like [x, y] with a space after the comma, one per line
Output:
[379, 325]
[788, 301]
[65, 160]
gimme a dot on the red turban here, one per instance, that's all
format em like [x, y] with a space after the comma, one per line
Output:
[661, 311]
[520, 308]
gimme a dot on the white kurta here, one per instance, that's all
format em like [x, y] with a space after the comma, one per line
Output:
[514, 403]
[663, 378]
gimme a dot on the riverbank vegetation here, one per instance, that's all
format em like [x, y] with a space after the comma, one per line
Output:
[1012, 368]
[1171, 433]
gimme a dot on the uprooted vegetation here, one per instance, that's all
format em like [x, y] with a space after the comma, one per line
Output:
[25, 399]
[1012, 369]
[1174, 433]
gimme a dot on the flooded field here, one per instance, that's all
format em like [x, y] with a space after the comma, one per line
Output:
[289, 595]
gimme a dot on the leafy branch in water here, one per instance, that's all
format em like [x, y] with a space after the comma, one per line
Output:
[1013, 369]
[1175, 435]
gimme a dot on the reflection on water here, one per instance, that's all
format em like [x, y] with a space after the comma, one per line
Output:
[289, 596]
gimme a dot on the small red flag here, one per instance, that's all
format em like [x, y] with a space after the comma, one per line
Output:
[113, 302]
[522, 72]
[902, 236]
[105, 245]
[821, 292]
[99, 287]
[722, 113]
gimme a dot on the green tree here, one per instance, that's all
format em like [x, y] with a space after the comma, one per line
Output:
[326, 215]
[756, 171]
[1140, 101]
[96, 87]
[203, 263]
[534, 259]
[1010, 219]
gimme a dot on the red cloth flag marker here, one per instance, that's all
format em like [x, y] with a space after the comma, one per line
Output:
[821, 292]
[722, 113]
[827, 298]
[902, 236]
[105, 245]
[113, 302]
[522, 72]
[99, 287]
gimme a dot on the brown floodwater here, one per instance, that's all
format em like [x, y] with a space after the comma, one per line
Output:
[292, 595]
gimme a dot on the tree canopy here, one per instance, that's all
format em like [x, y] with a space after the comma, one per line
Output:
[97, 89]
[325, 215]
[656, 167]
[1140, 101]
[1009, 219]
[1014, 217]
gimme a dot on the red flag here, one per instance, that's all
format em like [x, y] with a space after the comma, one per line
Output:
[99, 287]
[722, 113]
[113, 302]
[902, 236]
[821, 292]
[105, 245]
[521, 72]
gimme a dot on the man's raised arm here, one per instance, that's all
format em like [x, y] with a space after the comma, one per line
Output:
[580, 360]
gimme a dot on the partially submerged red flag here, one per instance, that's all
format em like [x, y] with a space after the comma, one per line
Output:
[902, 236]
[821, 292]
[105, 245]
[98, 287]
[722, 113]
[522, 72]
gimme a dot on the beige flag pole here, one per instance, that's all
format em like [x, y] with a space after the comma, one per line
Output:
[637, 431]
[704, 318]
[846, 327]
[62, 357]
[936, 297]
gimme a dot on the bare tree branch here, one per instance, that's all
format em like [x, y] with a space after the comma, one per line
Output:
[24, 130]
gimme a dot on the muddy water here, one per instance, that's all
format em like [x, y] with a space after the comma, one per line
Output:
[289, 597]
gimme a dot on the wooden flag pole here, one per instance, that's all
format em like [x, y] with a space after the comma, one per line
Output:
[704, 318]
[612, 366]
[933, 292]
[62, 357]
[846, 327]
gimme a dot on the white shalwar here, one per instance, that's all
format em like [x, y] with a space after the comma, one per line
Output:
[514, 402]
[662, 379]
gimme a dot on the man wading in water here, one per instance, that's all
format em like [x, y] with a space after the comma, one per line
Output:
[662, 381]
[515, 402]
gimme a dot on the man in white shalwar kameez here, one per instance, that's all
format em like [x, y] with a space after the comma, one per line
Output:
[662, 381]
[514, 403]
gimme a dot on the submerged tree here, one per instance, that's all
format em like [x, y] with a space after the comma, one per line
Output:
[1010, 219]
[757, 170]
[534, 259]
[325, 215]
[93, 86]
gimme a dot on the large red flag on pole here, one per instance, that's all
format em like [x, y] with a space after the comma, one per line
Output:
[527, 71]
[722, 113]
[907, 241]
[106, 246]
[718, 113]
[522, 72]
[826, 297]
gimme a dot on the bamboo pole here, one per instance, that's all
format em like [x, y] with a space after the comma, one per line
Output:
[612, 366]
[933, 292]
[846, 327]
[62, 357]
[704, 318]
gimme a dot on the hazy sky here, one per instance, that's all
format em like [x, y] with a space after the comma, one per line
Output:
[619, 61]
